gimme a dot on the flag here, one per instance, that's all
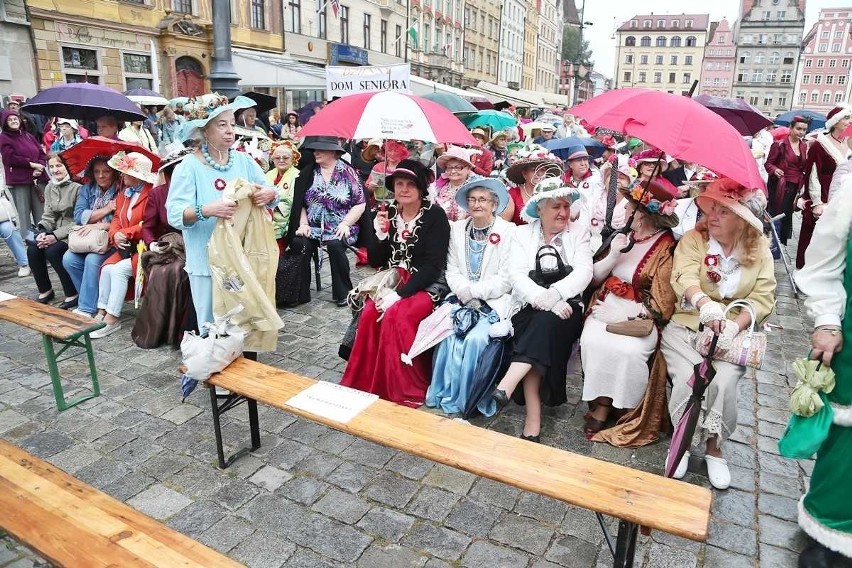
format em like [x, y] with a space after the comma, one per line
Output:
[447, 49]
[335, 6]
[412, 32]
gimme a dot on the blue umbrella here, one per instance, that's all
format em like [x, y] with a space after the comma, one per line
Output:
[563, 147]
[493, 119]
[84, 101]
[187, 385]
[817, 119]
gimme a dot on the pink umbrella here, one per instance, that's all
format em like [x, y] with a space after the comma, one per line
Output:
[390, 116]
[682, 127]
[434, 328]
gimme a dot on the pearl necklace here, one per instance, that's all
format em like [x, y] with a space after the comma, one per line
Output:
[476, 246]
[213, 163]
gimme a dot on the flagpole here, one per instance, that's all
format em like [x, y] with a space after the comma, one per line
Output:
[407, 27]
[323, 6]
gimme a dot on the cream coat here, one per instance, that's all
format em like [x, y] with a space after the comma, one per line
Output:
[494, 286]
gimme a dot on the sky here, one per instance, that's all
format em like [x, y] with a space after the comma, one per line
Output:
[600, 14]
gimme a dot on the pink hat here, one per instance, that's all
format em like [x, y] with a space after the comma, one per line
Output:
[650, 155]
[457, 153]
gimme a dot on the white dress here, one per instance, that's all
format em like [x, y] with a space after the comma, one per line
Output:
[616, 366]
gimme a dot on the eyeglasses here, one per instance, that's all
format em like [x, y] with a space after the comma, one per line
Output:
[455, 168]
[479, 200]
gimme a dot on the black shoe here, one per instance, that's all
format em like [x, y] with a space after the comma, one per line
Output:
[47, 299]
[531, 438]
[500, 398]
[817, 556]
[341, 303]
[68, 304]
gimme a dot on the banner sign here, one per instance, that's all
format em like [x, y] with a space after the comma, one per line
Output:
[342, 81]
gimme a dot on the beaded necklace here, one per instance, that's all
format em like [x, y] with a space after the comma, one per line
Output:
[213, 163]
[476, 243]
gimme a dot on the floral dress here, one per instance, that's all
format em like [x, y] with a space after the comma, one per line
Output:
[327, 203]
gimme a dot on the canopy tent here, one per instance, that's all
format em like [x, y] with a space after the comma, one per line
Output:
[270, 70]
[520, 97]
[420, 87]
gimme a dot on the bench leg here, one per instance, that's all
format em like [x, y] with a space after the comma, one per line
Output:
[625, 545]
[56, 379]
[229, 402]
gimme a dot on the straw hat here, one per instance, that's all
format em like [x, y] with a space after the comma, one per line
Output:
[483, 137]
[493, 185]
[747, 204]
[134, 164]
[532, 157]
[199, 111]
[290, 146]
[174, 157]
[548, 188]
[371, 152]
[658, 201]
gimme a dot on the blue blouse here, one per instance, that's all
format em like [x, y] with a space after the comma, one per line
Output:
[194, 183]
[91, 198]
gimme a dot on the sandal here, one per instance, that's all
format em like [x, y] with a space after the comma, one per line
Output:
[592, 425]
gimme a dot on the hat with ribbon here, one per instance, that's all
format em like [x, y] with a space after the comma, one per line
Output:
[480, 133]
[748, 204]
[650, 155]
[493, 185]
[531, 158]
[657, 198]
[175, 156]
[199, 111]
[577, 153]
[457, 153]
[415, 171]
[134, 164]
[548, 188]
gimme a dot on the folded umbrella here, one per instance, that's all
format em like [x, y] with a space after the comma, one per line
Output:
[434, 328]
[147, 97]
[139, 281]
[78, 157]
[83, 101]
[746, 118]
[493, 363]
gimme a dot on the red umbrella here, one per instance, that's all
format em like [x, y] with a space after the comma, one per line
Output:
[77, 158]
[682, 127]
[388, 115]
[780, 132]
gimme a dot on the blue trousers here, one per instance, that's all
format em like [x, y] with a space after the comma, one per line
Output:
[15, 242]
[85, 270]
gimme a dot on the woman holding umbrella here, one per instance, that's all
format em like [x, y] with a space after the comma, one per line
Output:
[725, 258]
[786, 167]
[478, 274]
[412, 238]
[551, 266]
[24, 166]
[527, 168]
[828, 151]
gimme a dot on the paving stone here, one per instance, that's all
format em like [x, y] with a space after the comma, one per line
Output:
[661, 555]
[571, 551]
[165, 465]
[159, 501]
[780, 485]
[273, 513]
[541, 508]
[732, 537]
[226, 533]
[583, 524]
[473, 518]
[136, 452]
[391, 556]
[46, 444]
[288, 453]
[771, 429]
[351, 477]
[264, 550]
[304, 431]
[270, 478]
[234, 495]
[742, 478]
[778, 465]
[715, 557]
[197, 517]
[342, 505]
[432, 503]
[305, 558]
[318, 464]
[385, 523]
[740, 455]
[437, 541]
[367, 453]
[494, 493]
[180, 414]
[774, 557]
[735, 507]
[330, 538]
[114, 439]
[129, 485]
[10, 419]
[198, 480]
[784, 534]
[782, 507]
[450, 478]
[483, 553]
[390, 489]
[102, 472]
[335, 442]
[75, 458]
[521, 532]
[305, 490]
[407, 465]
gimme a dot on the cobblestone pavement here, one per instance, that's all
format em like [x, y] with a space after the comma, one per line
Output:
[315, 497]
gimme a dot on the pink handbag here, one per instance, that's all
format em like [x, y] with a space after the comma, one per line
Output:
[748, 346]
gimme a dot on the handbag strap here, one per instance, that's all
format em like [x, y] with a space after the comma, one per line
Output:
[548, 250]
[744, 305]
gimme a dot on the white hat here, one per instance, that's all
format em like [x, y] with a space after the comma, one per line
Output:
[134, 164]
[548, 188]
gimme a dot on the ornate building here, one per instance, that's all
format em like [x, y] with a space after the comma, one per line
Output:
[823, 80]
[437, 54]
[719, 61]
[481, 41]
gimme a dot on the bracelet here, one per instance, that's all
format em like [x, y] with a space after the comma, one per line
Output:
[697, 297]
[198, 214]
[829, 329]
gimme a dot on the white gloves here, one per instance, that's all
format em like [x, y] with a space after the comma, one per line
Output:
[386, 301]
[609, 313]
[711, 311]
[546, 300]
[726, 338]
[464, 295]
[502, 328]
[619, 242]
[562, 309]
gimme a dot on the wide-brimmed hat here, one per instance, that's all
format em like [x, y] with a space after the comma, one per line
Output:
[371, 151]
[837, 114]
[499, 134]
[548, 128]
[548, 188]
[577, 153]
[199, 111]
[533, 157]
[174, 157]
[624, 165]
[134, 164]
[493, 185]
[331, 143]
[290, 146]
[657, 199]
[748, 204]
[69, 121]
[457, 153]
[479, 132]
[650, 155]
[413, 170]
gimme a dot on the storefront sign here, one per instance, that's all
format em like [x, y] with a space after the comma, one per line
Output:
[342, 81]
[344, 53]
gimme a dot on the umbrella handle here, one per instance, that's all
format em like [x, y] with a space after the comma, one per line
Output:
[713, 342]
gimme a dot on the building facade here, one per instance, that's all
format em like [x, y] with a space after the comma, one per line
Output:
[528, 72]
[661, 52]
[481, 41]
[823, 79]
[768, 37]
[717, 77]
[438, 51]
[17, 68]
[511, 52]
[549, 46]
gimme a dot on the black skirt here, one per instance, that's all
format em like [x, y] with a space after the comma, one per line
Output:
[545, 340]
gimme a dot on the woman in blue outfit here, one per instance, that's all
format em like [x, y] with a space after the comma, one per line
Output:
[94, 210]
[195, 194]
[478, 275]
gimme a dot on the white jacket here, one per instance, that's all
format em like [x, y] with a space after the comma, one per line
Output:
[576, 252]
[494, 286]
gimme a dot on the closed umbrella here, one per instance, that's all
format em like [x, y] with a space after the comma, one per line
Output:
[738, 113]
[434, 328]
[147, 97]
[493, 119]
[452, 102]
[493, 363]
[84, 101]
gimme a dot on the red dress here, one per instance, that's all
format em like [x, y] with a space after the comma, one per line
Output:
[518, 201]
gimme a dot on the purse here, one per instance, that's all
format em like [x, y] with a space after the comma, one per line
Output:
[96, 240]
[545, 278]
[8, 212]
[288, 278]
[748, 347]
[633, 327]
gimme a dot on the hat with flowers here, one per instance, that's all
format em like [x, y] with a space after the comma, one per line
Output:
[657, 199]
[533, 157]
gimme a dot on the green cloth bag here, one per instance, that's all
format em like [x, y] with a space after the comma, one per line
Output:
[805, 435]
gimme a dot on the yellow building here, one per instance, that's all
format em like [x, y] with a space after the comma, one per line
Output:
[481, 41]
[530, 47]
[164, 45]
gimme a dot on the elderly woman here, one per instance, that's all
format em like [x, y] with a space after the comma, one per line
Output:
[412, 237]
[483, 160]
[94, 211]
[137, 133]
[586, 180]
[386, 157]
[608, 215]
[633, 292]
[68, 135]
[333, 205]
[786, 165]
[195, 196]
[725, 258]
[24, 165]
[247, 118]
[51, 240]
[457, 165]
[551, 266]
[478, 275]
[170, 124]
[124, 233]
[282, 176]
[527, 168]
[830, 150]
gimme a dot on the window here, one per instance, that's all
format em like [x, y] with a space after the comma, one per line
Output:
[838, 35]
[675, 41]
[675, 23]
[691, 41]
[661, 23]
[781, 15]
[344, 25]
[658, 60]
[809, 63]
[295, 22]
[753, 100]
[825, 35]
[835, 48]
[771, 76]
[687, 60]
[745, 57]
[646, 24]
[741, 77]
[182, 6]
[814, 97]
[826, 97]
[630, 41]
[627, 76]
[845, 63]
[829, 79]
[782, 100]
[832, 63]
[672, 77]
[767, 101]
[398, 42]
[841, 80]
[687, 78]
[645, 41]
[658, 77]
[628, 58]
[716, 81]
[323, 23]
[643, 59]
[673, 60]
[258, 14]
[774, 58]
[367, 30]
[838, 98]
[817, 79]
[661, 41]
[823, 47]
[137, 71]
[383, 36]
[788, 58]
[803, 97]
[766, 15]
[759, 58]
[642, 77]
[688, 24]
[83, 59]
[634, 24]
[785, 76]
[757, 76]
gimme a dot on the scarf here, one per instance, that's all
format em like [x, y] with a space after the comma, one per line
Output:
[129, 191]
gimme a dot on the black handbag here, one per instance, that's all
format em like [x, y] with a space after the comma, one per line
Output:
[288, 278]
[545, 278]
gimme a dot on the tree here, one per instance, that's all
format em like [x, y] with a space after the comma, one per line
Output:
[570, 41]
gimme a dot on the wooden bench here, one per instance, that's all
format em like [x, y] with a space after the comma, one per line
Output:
[56, 326]
[635, 497]
[74, 525]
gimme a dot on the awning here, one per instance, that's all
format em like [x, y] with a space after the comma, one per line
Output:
[496, 94]
[420, 87]
[262, 69]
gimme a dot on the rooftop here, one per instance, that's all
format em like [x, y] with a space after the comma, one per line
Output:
[666, 22]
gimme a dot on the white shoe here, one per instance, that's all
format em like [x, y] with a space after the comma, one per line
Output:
[24, 271]
[718, 472]
[80, 312]
[104, 331]
[681, 467]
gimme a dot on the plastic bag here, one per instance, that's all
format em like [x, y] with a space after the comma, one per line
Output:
[204, 355]
[805, 435]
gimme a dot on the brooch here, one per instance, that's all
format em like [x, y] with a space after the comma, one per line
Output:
[405, 234]
[494, 238]
[585, 185]
[219, 184]
[712, 262]
[595, 222]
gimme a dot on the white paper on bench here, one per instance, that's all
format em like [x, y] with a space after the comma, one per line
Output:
[4, 296]
[332, 401]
